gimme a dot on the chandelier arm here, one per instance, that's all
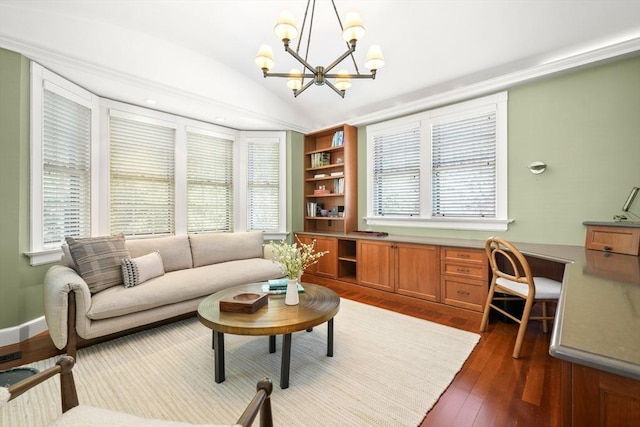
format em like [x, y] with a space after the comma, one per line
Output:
[289, 75]
[336, 90]
[352, 76]
[299, 91]
[300, 59]
[341, 58]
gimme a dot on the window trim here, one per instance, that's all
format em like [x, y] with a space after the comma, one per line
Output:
[499, 103]
[42, 78]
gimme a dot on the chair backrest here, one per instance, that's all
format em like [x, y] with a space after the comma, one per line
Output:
[508, 262]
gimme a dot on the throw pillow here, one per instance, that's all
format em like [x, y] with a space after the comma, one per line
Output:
[98, 259]
[139, 270]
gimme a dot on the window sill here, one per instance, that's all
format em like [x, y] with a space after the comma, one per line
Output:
[478, 224]
[48, 256]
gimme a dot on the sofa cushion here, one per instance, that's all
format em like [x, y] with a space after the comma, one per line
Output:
[139, 270]
[212, 248]
[97, 260]
[174, 250]
[180, 285]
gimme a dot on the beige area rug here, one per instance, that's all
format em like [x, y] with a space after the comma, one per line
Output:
[388, 369]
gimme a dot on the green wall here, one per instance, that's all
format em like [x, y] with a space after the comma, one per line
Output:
[20, 284]
[585, 126]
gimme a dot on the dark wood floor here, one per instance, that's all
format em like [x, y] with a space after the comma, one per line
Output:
[492, 389]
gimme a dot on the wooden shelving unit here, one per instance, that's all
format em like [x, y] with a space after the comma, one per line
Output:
[330, 180]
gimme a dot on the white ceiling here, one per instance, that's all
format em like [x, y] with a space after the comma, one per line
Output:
[196, 58]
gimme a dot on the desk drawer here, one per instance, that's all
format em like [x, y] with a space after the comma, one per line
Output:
[465, 293]
[470, 271]
[471, 256]
[622, 240]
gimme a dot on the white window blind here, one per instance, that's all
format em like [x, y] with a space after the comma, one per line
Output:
[464, 167]
[209, 183]
[142, 190]
[66, 173]
[263, 185]
[396, 173]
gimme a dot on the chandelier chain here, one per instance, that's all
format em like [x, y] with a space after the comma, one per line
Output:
[335, 9]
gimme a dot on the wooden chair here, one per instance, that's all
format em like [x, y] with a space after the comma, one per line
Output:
[512, 277]
[75, 414]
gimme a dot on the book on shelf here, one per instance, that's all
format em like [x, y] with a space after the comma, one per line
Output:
[339, 173]
[338, 139]
[338, 186]
[312, 208]
[320, 159]
[321, 175]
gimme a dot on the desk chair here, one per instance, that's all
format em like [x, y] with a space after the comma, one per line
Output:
[512, 277]
[74, 414]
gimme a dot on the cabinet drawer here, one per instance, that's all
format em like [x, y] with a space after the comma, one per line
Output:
[475, 256]
[465, 293]
[622, 240]
[470, 271]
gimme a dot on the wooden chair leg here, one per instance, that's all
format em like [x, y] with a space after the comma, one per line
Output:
[545, 324]
[523, 328]
[487, 308]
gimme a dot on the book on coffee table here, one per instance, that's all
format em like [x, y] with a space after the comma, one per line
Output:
[278, 286]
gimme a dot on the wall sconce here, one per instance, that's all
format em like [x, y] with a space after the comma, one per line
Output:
[537, 167]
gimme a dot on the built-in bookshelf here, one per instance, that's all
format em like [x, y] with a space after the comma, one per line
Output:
[330, 180]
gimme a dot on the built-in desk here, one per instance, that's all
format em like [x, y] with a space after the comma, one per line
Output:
[596, 333]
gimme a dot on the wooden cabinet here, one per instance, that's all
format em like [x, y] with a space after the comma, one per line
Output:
[464, 277]
[622, 238]
[376, 264]
[402, 268]
[591, 397]
[458, 277]
[330, 180]
[327, 266]
[417, 271]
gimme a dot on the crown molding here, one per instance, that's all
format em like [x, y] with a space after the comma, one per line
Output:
[53, 58]
[612, 52]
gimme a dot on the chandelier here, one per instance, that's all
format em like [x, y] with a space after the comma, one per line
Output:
[286, 31]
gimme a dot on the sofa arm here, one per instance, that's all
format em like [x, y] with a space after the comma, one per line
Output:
[59, 281]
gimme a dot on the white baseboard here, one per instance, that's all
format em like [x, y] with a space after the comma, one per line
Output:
[17, 334]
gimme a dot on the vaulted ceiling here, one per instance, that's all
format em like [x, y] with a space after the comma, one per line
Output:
[196, 58]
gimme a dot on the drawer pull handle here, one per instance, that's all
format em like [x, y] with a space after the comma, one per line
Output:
[463, 293]
[462, 270]
[608, 248]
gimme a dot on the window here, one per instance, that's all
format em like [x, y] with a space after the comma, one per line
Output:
[263, 184]
[444, 168]
[463, 167]
[100, 166]
[209, 183]
[142, 186]
[396, 172]
[63, 128]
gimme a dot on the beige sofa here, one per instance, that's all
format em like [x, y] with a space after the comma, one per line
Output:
[191, 268]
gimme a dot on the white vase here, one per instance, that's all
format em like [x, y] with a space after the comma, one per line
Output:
[291, 298]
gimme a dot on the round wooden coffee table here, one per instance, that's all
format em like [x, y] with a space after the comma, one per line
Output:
[317, 305]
